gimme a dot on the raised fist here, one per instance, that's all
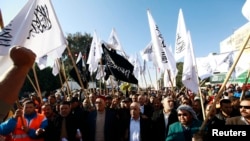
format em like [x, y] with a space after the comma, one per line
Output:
[22, 56]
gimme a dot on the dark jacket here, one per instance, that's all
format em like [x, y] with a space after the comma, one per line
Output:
[55, 126]
[159, 130]
[145, 130]
[110, 126]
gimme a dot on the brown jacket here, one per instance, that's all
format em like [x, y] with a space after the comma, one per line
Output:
[238, 120]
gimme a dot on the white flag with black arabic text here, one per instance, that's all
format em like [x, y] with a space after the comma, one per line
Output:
[35, 27]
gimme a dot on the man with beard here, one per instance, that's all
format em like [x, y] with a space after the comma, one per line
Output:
[244, 119]
[161, 119]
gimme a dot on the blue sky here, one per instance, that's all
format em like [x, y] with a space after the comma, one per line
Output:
[209, 21]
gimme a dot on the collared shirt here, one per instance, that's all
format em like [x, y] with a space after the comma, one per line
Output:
[142, 109]
[166, 117]
[134, 130]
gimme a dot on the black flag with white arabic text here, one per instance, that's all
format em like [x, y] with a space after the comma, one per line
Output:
[118, 66]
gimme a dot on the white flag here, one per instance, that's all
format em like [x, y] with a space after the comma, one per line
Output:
[100, 72]
[169, 80]
[115, 43]
[147, 52]
[189, 75]
[79, 57]
[56, 68]
[181, 40]
[246, 10]
[220, 62]
[95, 54]
[164, 58]
[203, 67]
[35, 27]
[137, 67]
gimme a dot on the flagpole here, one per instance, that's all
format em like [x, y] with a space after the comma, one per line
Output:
[66, 80]
[156, 71]
[76, 69]
[102, 72]
[32, 83]
[169, 77]
[37, 83]
[199, 88]
[196, 72]
[1, 20]
[243, 91]
[145, 80]
[224, 83]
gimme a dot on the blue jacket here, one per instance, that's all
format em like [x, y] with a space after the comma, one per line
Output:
[8, 126]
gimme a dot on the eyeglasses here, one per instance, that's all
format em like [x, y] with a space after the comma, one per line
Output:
[245, 107]
[182, 115]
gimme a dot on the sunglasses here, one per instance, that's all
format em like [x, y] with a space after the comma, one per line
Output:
[245, 107]
[182, 115]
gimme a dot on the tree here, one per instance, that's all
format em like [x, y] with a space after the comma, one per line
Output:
[47, 81]
[179, 66]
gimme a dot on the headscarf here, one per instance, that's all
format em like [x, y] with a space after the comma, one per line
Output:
[189, 109]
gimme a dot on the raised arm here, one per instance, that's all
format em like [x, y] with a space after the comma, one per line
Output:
[12, 80]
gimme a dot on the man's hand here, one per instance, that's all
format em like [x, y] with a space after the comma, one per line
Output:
[22, 56]
[25, 129]
[18, 113]
[39, 131]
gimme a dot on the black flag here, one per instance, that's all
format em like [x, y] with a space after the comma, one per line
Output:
[84, 74]
[118, 66]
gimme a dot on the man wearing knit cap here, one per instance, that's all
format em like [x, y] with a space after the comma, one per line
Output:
[186, 127]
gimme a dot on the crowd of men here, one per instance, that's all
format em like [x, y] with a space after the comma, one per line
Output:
[135, 116]
[99, 116]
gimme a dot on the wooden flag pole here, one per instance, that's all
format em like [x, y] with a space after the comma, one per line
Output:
[32, 83]
[224, 84]
[145, 80]
[200, 94]
[66, 80]
[1, 20]
[243, 91]
[156, 72]
[101, 76]
[37, 83]
[171, 82]
[76, 69]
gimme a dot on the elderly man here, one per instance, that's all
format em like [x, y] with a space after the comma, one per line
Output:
[186, 127]
[163, 118]
[244, 119]
[138, 128]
